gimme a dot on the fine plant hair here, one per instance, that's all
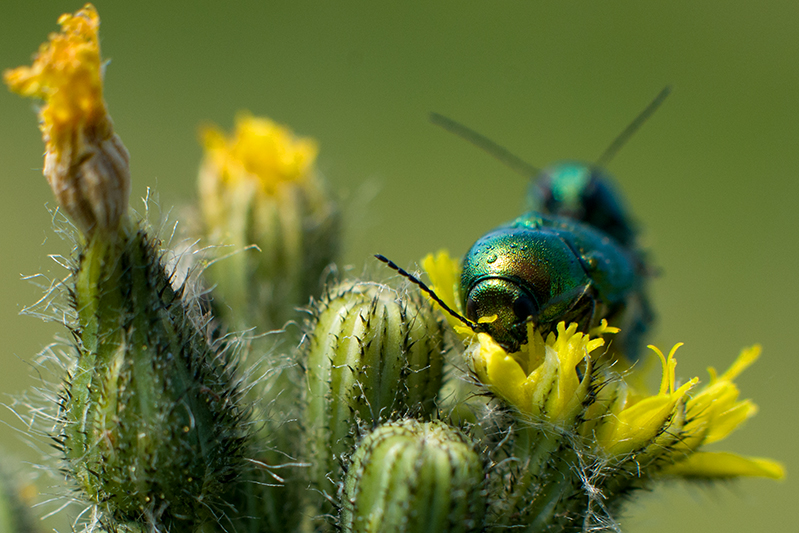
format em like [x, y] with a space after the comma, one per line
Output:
[39, 410]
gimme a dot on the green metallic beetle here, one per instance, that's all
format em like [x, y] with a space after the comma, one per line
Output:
[547, 269]
[571, 257]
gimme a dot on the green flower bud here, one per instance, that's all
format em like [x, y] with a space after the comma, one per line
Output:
[151, 426]
[263, 202]
[371, 353]
[275, 229]
[414, 477]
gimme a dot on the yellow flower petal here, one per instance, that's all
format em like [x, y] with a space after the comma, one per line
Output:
[744, 361]
[445, 280]
[725, 465]
[638, 425]
[729, 420]
[715, 411]
[503, 372]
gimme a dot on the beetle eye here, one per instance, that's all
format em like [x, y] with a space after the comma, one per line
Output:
[471, 309]
[524, 307]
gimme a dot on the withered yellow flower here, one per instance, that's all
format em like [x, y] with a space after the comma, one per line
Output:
[85, 162]
[149, 418]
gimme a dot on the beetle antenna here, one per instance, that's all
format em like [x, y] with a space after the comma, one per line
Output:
[391, 264]
[501, 153]
[628, 132]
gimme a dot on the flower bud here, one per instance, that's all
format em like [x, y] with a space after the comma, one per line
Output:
[269, 211]
[151, 425]
[413, 477]
[371, 353]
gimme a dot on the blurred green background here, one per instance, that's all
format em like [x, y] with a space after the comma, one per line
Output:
[711, 177]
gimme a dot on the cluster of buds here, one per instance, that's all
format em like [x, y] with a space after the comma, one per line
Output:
[381, 418]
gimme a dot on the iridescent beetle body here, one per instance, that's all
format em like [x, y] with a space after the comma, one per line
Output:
[548, 269]
[583, 192]
[571, 257]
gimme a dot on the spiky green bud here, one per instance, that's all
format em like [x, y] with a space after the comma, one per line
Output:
[414, 477]
[371, 353]
[151, 426]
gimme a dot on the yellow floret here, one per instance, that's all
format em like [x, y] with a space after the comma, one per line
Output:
[262, 150]
[67, 74]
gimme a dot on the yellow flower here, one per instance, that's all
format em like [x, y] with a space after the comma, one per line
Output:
[260, 151]
[556, 382]
[542, 379]
[85, 162]
[261, 158]
[566, 383]
[637, 423]
[261, 196]
[711, 415]
[67, 74]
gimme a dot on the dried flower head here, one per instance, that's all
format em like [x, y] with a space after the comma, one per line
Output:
[85, 162]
